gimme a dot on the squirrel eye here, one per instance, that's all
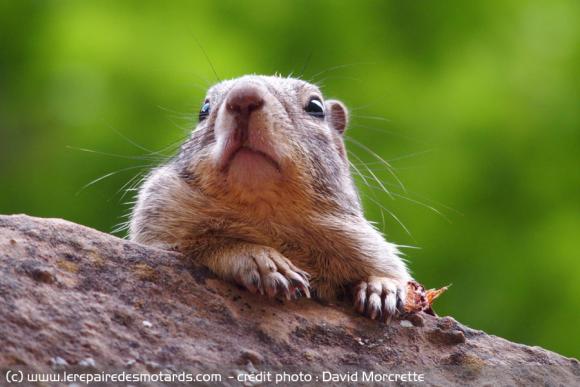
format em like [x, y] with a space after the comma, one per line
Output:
[315, 107]
[204, 111]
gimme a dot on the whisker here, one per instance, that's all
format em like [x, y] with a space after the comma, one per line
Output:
[306, 63]
[376, 118]
[419, 203]
[408, 156]
[206, 58]
[323, 80]
[107, 176]
[408, 247]
[390, 213]
[357, 126]
[396, 159]
[186, 116]
[389, 167]
[114, 154]
[137, 179]
[338, 67]
[130, 141]
[358, 172]
[416, 201]
[364, 178]
[372, 174]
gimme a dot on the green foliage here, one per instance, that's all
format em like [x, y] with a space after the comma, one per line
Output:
[480, 101]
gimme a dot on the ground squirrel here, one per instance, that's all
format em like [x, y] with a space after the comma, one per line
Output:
[262, 194]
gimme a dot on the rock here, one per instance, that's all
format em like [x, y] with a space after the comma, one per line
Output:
[88, 362]
[58, 362]
[444, 337]
[252, 356]
[70, 292]
[415, 319]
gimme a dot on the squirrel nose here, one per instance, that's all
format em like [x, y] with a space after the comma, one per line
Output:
[244, 99]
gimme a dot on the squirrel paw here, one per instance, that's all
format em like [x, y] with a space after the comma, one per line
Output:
[264, 270]
[378, 297]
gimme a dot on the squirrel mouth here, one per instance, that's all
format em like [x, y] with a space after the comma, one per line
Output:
[251, 157]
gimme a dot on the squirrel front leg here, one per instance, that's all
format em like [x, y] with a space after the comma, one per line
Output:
[380, 283]
[260, 269]
[383, 291]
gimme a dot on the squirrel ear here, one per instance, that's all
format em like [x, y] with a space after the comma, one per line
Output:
[337, 115]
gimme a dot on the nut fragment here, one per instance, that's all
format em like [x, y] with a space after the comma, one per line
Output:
[421, 300]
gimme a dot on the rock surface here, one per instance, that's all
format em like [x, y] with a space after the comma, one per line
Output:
[74, 298]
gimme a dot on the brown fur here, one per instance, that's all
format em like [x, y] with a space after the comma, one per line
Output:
[267, 236]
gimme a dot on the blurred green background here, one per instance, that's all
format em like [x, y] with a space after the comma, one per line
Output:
[475, 104]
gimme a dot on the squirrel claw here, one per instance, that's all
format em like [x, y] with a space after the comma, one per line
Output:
[264, 270]
[378, 297]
